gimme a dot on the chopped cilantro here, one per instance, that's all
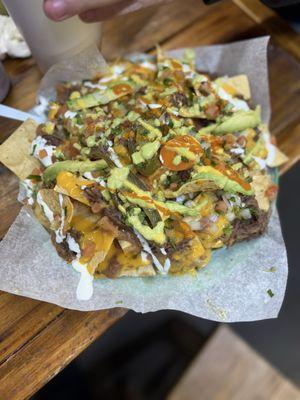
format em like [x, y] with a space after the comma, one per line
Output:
[227, 230]
[171, 123]
[253, 211]
[167, 81]
[33, 150]
[270, 293]
[35, 177]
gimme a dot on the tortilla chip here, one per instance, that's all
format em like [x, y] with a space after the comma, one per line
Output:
[279, 158]
[260, 184]
[69, 184]
[145, 270]
[51, 199]
[15, 151]
[105, 244]
[241, 84]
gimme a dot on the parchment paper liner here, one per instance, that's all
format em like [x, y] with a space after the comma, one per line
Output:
[244, 283]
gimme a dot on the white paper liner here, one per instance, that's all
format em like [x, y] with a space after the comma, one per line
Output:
[243, 283]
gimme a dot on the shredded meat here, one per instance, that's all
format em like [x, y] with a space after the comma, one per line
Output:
[63, 249]
[124, 231]
[52, 140]
[249, 228]
[200, 123]
[113, 269]
[75, 234]
[178, 100]
[97, 153]
[185, 175]
[106, 224]
[179, 247]
[63, 91]
[205, 88]
[94, 195]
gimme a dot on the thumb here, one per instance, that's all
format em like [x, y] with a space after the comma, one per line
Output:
[59, 10]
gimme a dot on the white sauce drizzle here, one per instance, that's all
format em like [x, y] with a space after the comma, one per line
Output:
[115, 158]
[94, 85]
[90, 177]
[149, 65]
[73, 245]
[59, 235]
[270, 147]
[180, 199]
[167, 265]
[154, 105]
[85, 286]
[39, 144]
[28, 186]
[237, 103]
[118, 69]
[262, 163]
[186, 68]
[144, 256]
[148, 250]
[237, 150]
[70, 114]
[48, 213]
[163, 251]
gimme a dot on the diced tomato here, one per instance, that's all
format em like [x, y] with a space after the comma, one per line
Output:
[185, 141]
[43, 153]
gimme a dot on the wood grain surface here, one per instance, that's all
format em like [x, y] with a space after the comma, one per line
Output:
[37, 339]
[228, 369]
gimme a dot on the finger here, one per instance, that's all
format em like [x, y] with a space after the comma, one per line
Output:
[61, 9]
[104, 13]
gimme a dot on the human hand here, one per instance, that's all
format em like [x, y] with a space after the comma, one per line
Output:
[87, 10]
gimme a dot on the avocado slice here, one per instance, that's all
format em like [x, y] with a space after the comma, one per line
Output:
[51, 172]
[223, 182]
[153, 132]
[99, 97]
[239, 121]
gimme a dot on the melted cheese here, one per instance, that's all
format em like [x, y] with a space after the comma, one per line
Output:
[94, 242]
[70, 184]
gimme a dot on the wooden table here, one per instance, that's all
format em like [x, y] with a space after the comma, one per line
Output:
[219, 374]
[37, 339]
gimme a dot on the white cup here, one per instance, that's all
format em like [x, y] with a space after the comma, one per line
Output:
[51, 41]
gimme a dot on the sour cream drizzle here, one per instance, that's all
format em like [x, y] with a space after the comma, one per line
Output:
[39, 144]
[28, 187]
[85, 288]
[237, 103]
[47, 211]
[59, 235]
[148, 250]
